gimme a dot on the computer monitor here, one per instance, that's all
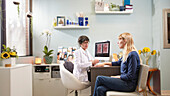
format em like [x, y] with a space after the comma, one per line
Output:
[102, 50]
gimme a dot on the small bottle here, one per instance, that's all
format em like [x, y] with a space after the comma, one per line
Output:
[81, 21]
[47, 69]
[54, 22]
[86, 21]
[67, 22]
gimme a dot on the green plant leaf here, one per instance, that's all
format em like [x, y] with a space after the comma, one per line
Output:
[8, 49]
[46, 48]
[4, 46]
[51, 51]
[49, 54]
[3, 50]
[45, 52]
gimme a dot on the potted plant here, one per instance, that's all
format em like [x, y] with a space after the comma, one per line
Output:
[114, 7]
[47, 58]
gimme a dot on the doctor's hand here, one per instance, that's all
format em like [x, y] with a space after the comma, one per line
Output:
[95, 61]
[99, 65]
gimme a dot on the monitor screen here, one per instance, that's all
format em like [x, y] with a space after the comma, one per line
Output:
[102, 50]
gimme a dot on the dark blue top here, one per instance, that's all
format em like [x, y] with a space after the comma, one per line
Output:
[130, 68]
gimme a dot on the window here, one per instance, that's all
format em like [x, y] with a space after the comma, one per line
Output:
[16, 27]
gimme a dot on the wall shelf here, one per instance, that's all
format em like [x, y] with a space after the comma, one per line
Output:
[71, 27]
[114, 12]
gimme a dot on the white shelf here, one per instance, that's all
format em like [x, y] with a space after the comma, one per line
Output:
[71, 27]
[114, 12]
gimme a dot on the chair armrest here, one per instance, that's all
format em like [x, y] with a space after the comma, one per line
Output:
[116, 76]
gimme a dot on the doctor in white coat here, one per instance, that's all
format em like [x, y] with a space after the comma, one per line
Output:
[83, 59]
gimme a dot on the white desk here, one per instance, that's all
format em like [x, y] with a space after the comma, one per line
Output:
[16, 80]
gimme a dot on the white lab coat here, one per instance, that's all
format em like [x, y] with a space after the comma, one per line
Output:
[81, 63]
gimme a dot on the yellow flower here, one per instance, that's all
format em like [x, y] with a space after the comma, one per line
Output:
[13, 54]
[139, 51]
[153, 52]
[146, 49]
[143, 50]
[5, 55]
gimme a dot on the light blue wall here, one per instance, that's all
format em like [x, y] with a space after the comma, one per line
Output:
[157, 19]
[102, 27]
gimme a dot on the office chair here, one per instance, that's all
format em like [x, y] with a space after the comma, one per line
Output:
[70, 81]
[142, 80]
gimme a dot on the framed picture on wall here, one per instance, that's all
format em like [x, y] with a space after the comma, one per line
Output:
[166, 27]
[60, 20]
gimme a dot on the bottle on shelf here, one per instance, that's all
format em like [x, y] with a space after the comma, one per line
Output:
[86, 21]
[81, 21]
[54, 22]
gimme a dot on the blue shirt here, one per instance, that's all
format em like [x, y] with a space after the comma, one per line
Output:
[130, 68]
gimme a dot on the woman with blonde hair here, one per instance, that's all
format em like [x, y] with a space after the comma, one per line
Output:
[129, 68]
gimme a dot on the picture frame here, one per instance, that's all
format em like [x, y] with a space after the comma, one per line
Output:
[60, 20]
[166, 28]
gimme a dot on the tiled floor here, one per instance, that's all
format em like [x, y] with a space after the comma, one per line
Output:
[165, 92]
[87, 92]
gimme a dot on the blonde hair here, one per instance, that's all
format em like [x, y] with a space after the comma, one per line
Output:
[129, 46]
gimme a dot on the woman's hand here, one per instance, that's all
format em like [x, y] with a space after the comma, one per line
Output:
[118, 76]
[102, 64]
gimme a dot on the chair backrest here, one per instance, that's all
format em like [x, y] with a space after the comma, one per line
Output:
[143, 75]
[69, 66]
[70, 81]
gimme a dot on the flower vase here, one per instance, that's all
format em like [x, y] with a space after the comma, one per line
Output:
[147, 60]
[146, 57]
[6, 61]
[13, 61]
[153, 63]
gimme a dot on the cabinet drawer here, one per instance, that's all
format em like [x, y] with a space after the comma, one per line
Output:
[42, 75]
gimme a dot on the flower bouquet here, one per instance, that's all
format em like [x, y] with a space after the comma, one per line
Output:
[8, 55]
[148, 55]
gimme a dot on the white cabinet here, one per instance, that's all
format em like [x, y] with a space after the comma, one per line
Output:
[46, 81]
[16, 80]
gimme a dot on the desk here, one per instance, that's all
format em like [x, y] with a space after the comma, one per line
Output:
[105, 71]
[155, 73]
